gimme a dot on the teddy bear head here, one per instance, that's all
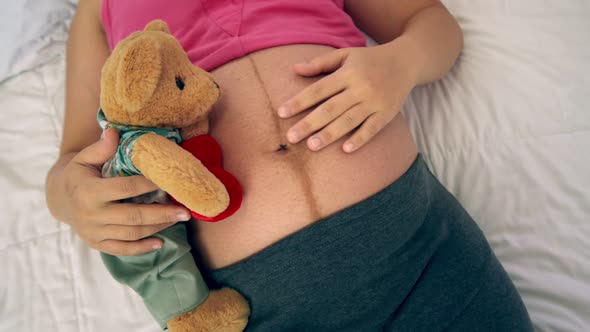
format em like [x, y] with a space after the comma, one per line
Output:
[149, 81]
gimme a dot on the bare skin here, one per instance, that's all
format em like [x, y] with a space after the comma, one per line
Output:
[287, 183]
[312, 185]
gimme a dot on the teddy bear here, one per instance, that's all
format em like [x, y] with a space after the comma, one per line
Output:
[156, 99]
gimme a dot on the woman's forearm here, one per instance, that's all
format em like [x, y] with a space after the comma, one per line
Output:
[52, 192]
[424, 31]
[433, 39]
[87, 50]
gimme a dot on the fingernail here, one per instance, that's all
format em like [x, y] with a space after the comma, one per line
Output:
[182, 216]
[349, 147]
[292, 136]
[283, 111]
[315, 143]
[157, 246]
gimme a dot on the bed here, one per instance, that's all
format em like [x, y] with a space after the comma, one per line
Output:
[507, 132]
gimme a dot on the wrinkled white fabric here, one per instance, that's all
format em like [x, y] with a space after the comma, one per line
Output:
[32, 32]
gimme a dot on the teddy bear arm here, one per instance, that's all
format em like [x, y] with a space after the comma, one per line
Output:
[180, 174]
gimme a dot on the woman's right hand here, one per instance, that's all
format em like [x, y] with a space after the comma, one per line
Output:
[77, 194]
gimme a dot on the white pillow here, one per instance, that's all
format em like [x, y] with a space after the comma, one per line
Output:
[508, 133]
[32, 33]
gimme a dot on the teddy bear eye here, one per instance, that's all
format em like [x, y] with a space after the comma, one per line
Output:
[179, 83]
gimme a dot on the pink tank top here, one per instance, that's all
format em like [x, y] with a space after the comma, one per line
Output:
[214, 32]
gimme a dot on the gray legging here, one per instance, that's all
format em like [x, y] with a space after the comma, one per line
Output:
[409, 258]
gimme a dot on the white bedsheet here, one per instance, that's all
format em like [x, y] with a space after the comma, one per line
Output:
[31, 32]
[508, 132]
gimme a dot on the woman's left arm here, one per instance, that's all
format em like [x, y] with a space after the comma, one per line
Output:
[420, 41]
[430, 32]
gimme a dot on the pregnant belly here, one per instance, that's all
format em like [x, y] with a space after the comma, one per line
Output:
[286, 186]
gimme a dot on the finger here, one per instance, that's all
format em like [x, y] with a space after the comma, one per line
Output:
[121, 187]
[99, 152]
[367, 131]
[142, 214]
[312, 95]
[125, 248]
[324, 63]
[338, 128]
[129, 233]
[321, 116]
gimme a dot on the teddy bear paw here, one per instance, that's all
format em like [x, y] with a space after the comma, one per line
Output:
[224, 310]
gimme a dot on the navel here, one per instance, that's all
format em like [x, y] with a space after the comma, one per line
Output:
[296, 155]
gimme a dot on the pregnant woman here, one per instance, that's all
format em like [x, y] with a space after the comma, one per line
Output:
[342, 225]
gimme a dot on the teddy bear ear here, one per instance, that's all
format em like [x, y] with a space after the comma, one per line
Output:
[157, 25]
[138, 73]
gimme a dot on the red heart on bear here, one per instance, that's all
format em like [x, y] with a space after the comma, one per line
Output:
[207, 150]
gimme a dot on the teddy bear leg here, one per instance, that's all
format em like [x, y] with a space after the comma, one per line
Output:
[167, 279]
[225, 310]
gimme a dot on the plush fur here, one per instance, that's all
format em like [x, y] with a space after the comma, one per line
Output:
[177, 172]
[149, 81]
[140, 87]
[221, 313]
